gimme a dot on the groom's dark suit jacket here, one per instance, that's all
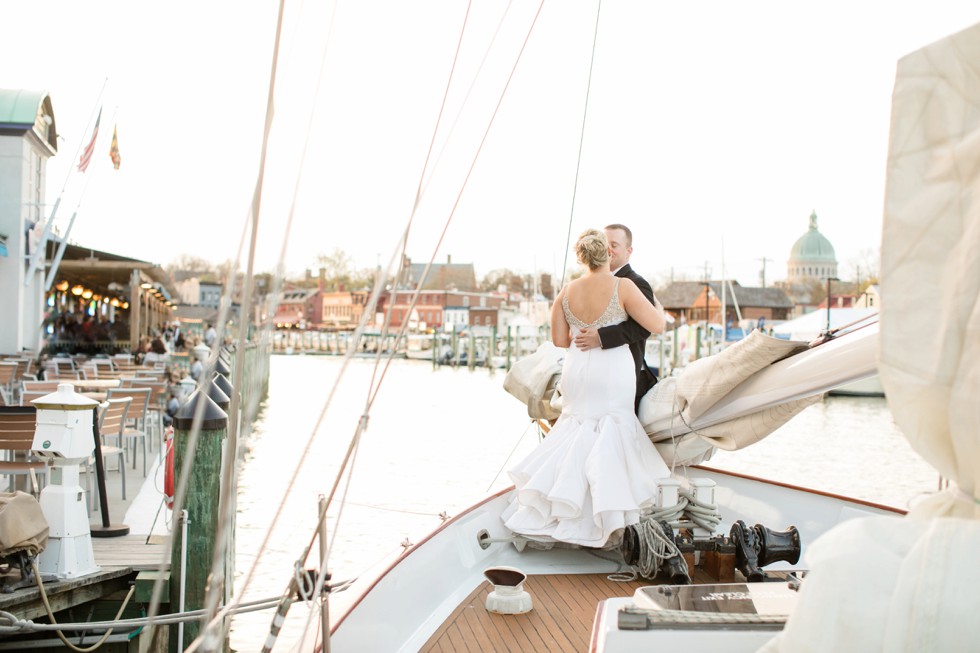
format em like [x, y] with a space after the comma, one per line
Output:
[632, 334]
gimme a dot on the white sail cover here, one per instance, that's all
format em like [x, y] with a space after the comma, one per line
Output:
[913, 584]
[672, 408]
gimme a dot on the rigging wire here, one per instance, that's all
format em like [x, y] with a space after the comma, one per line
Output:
[358, 334]
[10, 624]
[504, 464]
[251, 226]
[362, 424]
[581, 141]
[363, 421]
[231, 471]
[469, 91]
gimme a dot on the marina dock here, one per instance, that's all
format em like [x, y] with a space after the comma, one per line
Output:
[136, 557]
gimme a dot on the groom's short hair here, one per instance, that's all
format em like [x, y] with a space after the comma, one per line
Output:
[626, 230]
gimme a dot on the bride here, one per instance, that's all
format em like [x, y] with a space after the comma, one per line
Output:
[596, 470]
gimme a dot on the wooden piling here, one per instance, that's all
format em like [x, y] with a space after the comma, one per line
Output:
[200, 502]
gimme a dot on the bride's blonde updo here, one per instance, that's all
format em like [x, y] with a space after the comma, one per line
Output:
[592, 249]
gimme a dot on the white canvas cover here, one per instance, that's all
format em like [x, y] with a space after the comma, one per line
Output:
[671, 408]
[22, 524]
[913, 584]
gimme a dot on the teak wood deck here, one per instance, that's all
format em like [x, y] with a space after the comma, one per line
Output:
[564, 608]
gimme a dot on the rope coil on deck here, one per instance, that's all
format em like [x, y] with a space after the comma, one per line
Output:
[653, 547]
[706, 515]
[686, 512]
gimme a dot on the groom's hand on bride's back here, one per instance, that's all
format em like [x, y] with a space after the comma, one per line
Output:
[587, 339]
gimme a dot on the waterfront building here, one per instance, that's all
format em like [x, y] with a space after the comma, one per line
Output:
[124, 298]
[194, 291]
[445, 310]
[298, 308]
[28, 138]
[49, 286]
[697, 301]
[441, 276]
[870, 298]
[342, 310]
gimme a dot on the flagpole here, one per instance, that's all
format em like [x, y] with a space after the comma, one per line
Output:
[53, 270]
[49, 224]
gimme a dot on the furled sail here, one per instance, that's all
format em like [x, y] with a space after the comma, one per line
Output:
[912, 583]
[729, 400]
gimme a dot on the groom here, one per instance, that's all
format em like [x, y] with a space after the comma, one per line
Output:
[629, 332]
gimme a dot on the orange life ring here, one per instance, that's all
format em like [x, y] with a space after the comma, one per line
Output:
[168, 475]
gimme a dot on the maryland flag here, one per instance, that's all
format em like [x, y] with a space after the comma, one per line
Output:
[90, 148]
[114, 150]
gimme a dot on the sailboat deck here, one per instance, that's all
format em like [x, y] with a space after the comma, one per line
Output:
[561, 619]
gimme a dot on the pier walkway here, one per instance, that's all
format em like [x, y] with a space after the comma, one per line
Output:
[145, 548]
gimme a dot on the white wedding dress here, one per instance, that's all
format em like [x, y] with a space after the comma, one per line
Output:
[596, 470]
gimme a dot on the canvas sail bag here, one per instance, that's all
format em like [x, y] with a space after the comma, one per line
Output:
[22, 524]
[534, 379]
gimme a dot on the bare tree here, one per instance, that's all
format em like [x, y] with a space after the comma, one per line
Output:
[188, 265]
[864, 269]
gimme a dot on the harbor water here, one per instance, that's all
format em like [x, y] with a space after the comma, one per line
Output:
[437, 441]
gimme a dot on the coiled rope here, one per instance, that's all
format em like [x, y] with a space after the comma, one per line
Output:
[654, 547]
[688, 511]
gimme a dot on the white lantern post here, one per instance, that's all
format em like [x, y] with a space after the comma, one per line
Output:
[65, 438]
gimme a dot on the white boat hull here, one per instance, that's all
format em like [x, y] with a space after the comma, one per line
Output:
[404, 600]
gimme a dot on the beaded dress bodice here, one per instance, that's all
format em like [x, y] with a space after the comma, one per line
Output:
[614, 313]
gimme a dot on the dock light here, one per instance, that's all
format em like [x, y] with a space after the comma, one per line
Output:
[64, 438]
[508, 595]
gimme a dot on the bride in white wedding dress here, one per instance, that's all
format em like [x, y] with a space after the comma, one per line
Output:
[596, 470]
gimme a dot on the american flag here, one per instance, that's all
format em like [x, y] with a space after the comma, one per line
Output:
[90, 148]
[114, 150]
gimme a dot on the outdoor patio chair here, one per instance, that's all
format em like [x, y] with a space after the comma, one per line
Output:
[156, 407]
[8, 383]
[135, 428]
[112, 422]
[17, 427]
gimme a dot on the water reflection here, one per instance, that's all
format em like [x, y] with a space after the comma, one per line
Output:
[843, 445]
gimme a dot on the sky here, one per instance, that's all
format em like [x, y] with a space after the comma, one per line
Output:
[711, 129]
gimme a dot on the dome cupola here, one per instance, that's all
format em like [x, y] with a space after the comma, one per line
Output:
[812, 255]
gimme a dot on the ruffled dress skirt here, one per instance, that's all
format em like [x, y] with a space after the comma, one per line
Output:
[596, 470]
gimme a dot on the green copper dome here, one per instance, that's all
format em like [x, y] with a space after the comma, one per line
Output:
[813, 246]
